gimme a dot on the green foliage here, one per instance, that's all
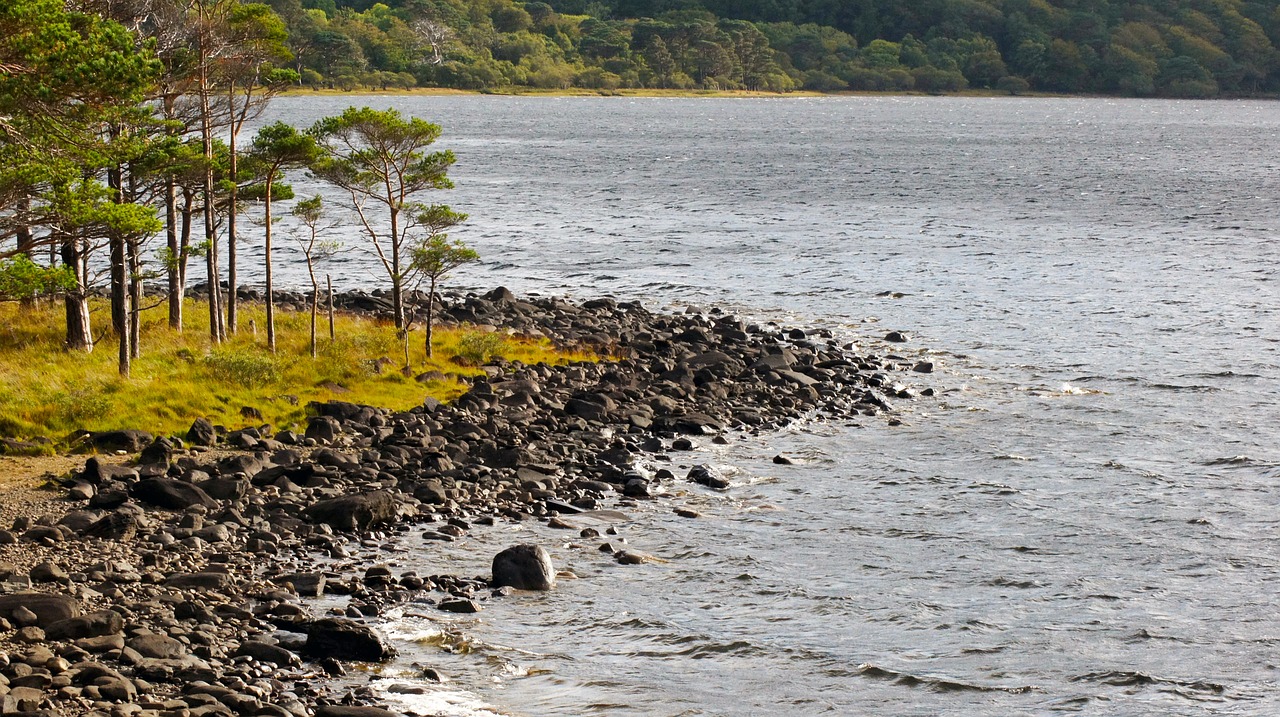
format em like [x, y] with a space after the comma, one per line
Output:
[22, 278]
[242, 367]
[1119, 46]
[477, 348]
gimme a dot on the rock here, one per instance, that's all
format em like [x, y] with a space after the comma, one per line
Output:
[346, 711]
[170, 494]
[47, 608]
[161, 647]
[703, 474]
[49, 572]
[354, 512]
[160, 452]
[323, 429]
[202, 433]
[346, 640]
[129, 440]
[264, 652]
[459, 606]
[631, 557]
[781, 460]
[119, 525]
[896, 337]
[524, 567]
[305, 584]
[199, 581]
[95, 624]
[923, 367]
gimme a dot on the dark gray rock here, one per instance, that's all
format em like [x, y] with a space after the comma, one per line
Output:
[118, 525]
[354, 512]
[202, 433]
[346, 640]
[348, 711]
[703, 474]
[170, 494]
[129, 440]
[95, 624]
[524, 567]
[264, 652]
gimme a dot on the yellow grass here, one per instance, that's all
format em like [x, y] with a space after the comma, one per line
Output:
[46, 391]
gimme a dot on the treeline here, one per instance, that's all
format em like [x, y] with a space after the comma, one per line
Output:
[122, 123]
[1172, 48]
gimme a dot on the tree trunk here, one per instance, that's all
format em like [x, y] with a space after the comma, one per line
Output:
[135, 297]
[397, 301]
[79, 330]
[271, 303]
[315, 309]
[171, 239]
[431, 314]
[232, 213]
[332, 335]
[217, 331]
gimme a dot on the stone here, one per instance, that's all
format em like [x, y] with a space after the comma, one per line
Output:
[264, 652]
[344, 639]
[524, 567]
[170, 494]
[48, 608]
[199, 581]
[202, 433]
[128, 440]
[49, 572]
[459, 605]
[895, 337]
[95, 624]
[323, 429]
[119, 525]
[350, 711]
[161, 647]
[354, 512]
[703, 474]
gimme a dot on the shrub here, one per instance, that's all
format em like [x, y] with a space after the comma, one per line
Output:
[242, 367]
[1013, 85]
[477, 348]
[80, 405]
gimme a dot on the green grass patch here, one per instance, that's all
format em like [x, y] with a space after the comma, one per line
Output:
[49, 392]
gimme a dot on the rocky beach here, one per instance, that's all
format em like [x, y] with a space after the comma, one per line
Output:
[185, 576]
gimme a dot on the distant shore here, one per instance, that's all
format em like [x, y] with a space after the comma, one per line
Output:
[648, 93]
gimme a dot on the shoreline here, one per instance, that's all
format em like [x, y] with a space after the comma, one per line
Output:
[181, 581]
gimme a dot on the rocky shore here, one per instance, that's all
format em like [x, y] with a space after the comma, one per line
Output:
[182, 582]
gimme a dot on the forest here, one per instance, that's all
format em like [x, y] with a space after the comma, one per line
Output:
[1165, 48]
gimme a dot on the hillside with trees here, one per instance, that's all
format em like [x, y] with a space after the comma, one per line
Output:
[1167, 48]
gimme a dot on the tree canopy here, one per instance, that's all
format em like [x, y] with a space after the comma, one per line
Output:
[1177, 48]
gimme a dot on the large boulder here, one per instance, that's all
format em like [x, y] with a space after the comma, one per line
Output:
[202, 433]
[171, 494]
[95, 624]
[524, 567]
[129, 441]
[48, 608]
[355, 512]
[703, 474]
[344, 639]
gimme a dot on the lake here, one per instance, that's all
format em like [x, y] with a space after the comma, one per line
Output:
[1084, 520]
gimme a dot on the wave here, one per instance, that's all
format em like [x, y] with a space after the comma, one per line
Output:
[1127, 678]
[936, 684]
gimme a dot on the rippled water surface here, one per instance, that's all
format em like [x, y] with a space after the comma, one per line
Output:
[1084, 521]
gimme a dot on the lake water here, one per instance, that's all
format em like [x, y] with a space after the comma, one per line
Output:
[1084, 521]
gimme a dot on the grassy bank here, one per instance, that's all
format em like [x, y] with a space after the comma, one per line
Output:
[48, 392]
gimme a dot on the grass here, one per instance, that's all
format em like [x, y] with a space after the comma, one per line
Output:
[48, 392]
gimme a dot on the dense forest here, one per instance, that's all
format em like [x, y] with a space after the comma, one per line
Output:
[1169, 48]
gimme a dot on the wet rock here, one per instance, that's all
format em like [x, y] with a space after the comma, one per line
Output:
[346, 640]
[459, 606]
[345, 711]
[264, 652]
[895, 337]
[524, 567]
[703, 474]
[782, 460]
